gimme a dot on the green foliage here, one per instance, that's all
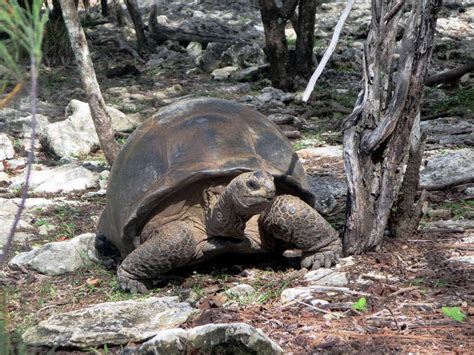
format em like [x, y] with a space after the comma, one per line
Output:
[462, 209]
[25, 27]
[360, 305]
[455, 102]
[454, 313]
[10, 342]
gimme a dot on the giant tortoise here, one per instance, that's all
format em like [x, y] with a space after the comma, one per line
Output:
[205, 177]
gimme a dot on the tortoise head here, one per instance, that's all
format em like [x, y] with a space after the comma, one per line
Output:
[252, 192]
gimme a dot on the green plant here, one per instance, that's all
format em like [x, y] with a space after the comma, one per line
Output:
[454, 313]
[360, 305]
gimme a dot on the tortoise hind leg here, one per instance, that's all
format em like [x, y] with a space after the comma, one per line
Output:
[166, 247]
[292, 220]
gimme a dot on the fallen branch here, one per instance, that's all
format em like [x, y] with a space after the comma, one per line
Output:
[449, 75]
[332, 46]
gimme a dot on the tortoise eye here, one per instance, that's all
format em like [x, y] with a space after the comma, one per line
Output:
[252, 184]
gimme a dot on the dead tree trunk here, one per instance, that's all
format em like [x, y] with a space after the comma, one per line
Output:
[133, 10]
[377, 133]
[275, 15]
[305, 37]
[101, 118]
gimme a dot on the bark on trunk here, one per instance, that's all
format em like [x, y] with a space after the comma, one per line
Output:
[377, 133]
[118, 12]
[406, 214]
[274, 17]
[133, 10]
[104, 8]
[101, 118]
[305, 37]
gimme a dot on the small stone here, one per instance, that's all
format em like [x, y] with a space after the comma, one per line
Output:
[58, 258]
[297, 293]
[65, 178]
[6, 147]
[240, 290]
[468, 259]
[223, 73]
[194, 49]
[45, 229]
[327, 277]
[169, 341]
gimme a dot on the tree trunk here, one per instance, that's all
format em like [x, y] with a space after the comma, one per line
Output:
[275, 15]
[118, 12]
[101, 118]
[377, 133]
[406, 213]
[104, 8]
[305, 37]
[133, 10]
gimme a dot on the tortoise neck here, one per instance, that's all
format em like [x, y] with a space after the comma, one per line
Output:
[223, 218]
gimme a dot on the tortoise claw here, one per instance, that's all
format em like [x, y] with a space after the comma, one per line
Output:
[324, 257]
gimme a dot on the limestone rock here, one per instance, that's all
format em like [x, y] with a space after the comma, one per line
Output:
[327, 277]
[223, 73]
[6, 147]
[65, 178]
[194, 49]
[447, 168]
[232, 338]
[58, 258]
[240, 290]
[110, 323]
[76, 135]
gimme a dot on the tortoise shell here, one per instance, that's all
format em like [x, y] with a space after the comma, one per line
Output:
[182, 145]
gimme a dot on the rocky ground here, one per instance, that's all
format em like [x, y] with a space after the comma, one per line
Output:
[405, 285]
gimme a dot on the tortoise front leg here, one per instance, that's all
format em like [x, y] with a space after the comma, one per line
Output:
[166, 247]
[294, 221]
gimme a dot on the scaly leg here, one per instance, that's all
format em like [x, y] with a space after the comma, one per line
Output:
[292, 220]
[165, 248]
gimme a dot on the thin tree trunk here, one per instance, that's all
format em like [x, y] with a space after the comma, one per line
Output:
[274, 17]
[104, 8]
[133, 10]
[101, 118]
[377, 133]
[118, 12]
[305, 37]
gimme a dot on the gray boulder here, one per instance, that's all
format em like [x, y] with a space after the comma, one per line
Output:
[76, 135]
[447, 168]
[243, 55]
[65, 178]
[110, 323]
[232, 338]
[223, 73]
[210, 59]
[58, 258]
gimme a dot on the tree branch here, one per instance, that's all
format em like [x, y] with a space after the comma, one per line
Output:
[332, 46]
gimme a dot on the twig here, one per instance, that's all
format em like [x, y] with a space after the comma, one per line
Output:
[393, 11]
[402, 290]
[31, 155]
[393, 317]
[313, 307]
[332, 46]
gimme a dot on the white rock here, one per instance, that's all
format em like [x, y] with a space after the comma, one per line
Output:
[194, 49]
[321, 152]
[76, 135]
[110, 323]
[297, 293]
[224, 73]
[58, 258]
[448, 167]
[468, 259]
[327, 277]
[65, 178]
[4, 177]
[240, 290]
[6, 147]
